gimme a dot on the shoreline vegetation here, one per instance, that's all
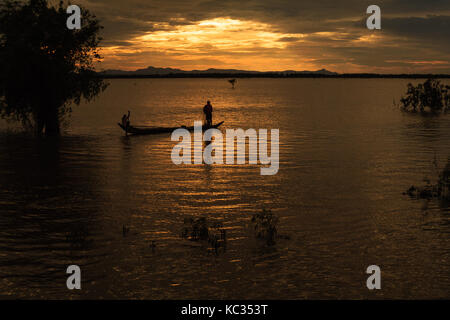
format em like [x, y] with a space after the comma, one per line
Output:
[275, 75]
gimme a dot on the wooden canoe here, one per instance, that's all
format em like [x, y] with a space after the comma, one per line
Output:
[138, 130]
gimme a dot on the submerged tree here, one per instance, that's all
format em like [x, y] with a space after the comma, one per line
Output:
[431, 96]
[44, 66]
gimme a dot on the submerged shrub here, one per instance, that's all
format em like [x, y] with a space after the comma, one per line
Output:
[198, 229]
[440, 189]
[431, 96]
[195, 229]
[265, 224]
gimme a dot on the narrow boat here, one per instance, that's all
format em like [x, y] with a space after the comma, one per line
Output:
[137, 130]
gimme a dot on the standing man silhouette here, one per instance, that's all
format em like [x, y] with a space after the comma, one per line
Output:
[207, 110]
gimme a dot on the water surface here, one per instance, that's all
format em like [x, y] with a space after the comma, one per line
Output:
[346, 156]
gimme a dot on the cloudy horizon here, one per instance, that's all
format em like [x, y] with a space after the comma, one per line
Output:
[274, 35]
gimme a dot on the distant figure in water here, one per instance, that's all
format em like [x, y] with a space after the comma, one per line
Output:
[207, 110]
[233, 82]
[126, 120]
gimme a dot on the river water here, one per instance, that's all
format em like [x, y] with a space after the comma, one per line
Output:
[346, 155]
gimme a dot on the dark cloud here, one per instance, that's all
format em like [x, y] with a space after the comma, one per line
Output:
[432, 27]
[289, 39]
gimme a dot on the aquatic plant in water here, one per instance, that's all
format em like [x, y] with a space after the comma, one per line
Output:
[429, 97]
[440, 189]
[198, 229]
[195, 229]
[265, 225]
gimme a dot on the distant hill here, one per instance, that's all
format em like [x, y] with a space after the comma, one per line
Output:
[152, 71]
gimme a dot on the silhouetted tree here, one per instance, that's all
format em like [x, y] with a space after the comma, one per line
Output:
[44, 66]
[431, 94]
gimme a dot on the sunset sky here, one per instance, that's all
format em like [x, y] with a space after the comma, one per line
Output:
[274, 35]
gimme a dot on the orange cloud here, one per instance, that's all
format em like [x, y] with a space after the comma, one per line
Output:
[232, 43]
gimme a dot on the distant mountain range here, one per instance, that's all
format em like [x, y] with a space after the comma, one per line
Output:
[152, 71]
